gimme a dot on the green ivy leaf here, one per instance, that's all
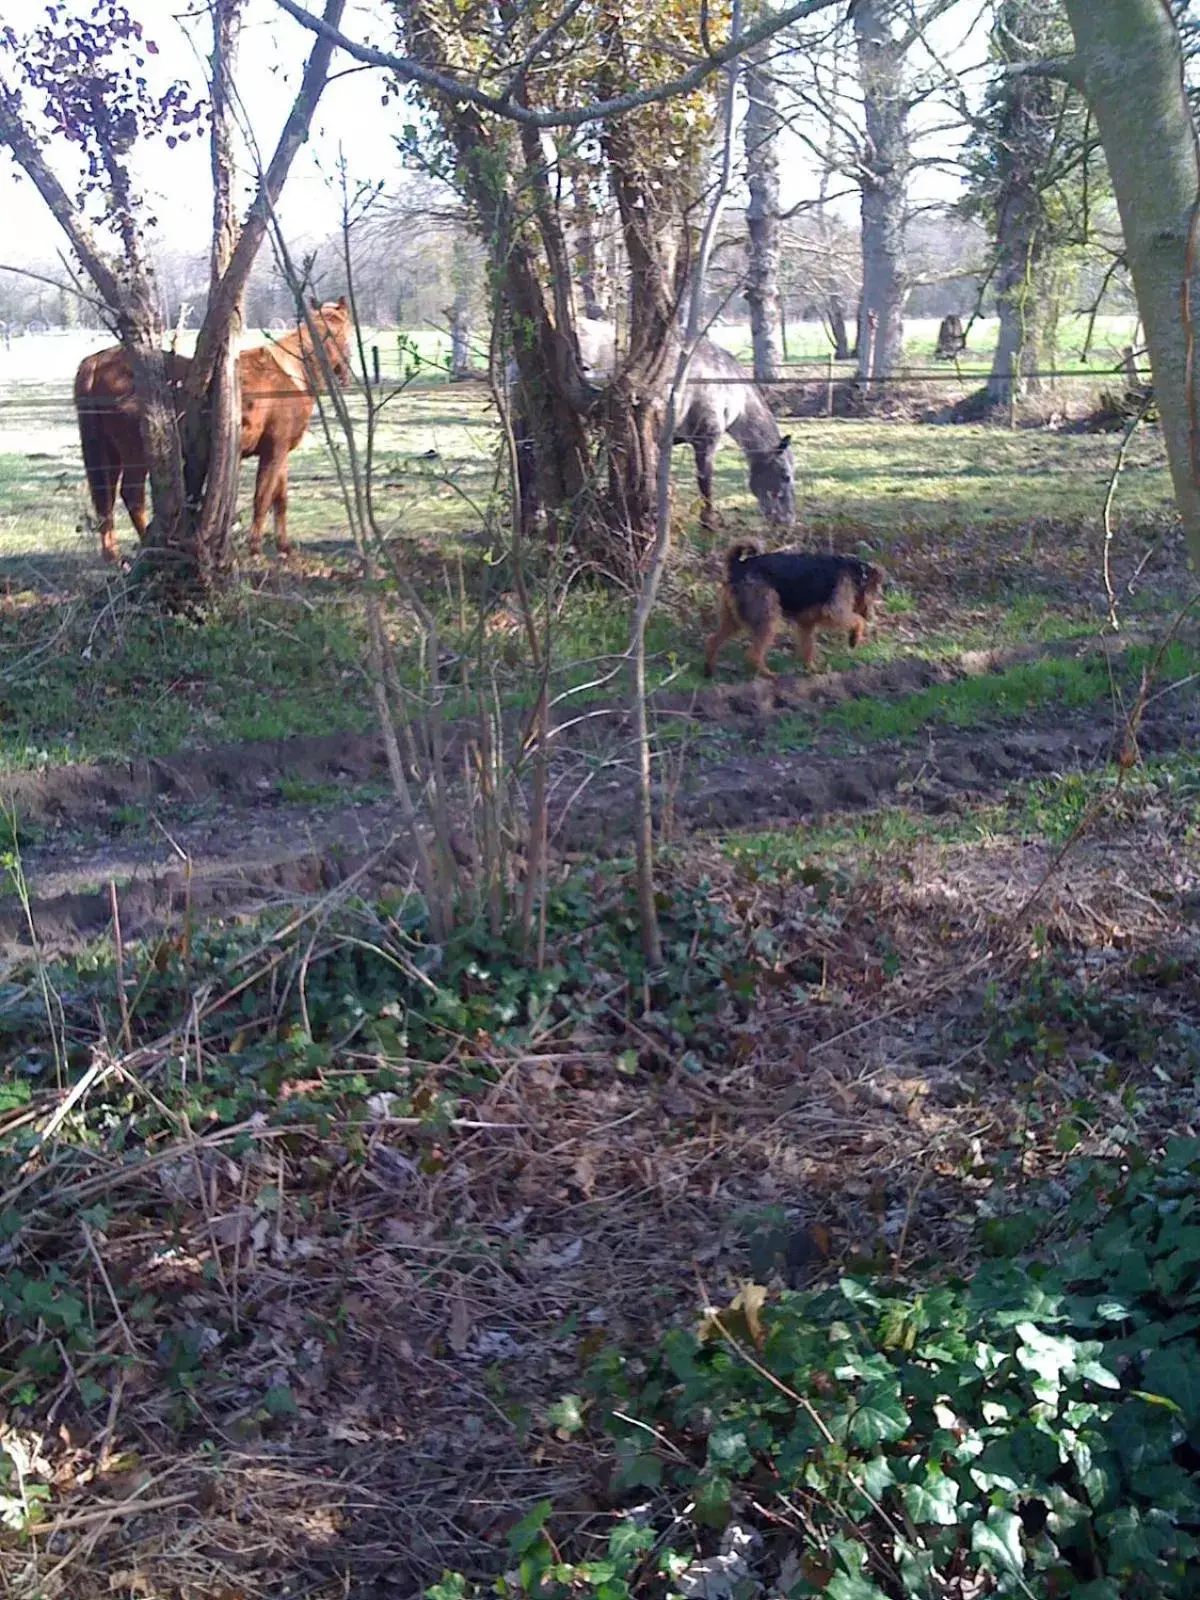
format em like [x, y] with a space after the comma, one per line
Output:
[844, 1586]
[876, 1476]
[935, 1500]
[639, 1470]
[1047, 1357]
[279, 1401]
[728, 1451]
[526, 1533]
[998, 1541]
[880, 1416]
[1174, 1373]
[712, 1495]
[628, 1540]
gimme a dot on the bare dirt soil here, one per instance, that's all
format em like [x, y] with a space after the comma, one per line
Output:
[212, 834]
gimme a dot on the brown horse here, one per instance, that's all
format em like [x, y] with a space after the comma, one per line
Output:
[277, 405]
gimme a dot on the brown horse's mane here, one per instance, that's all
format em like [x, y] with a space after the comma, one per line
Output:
[297, 346]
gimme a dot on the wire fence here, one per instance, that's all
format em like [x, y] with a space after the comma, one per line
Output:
[905, 377]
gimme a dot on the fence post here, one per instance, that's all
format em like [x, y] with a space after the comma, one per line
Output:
[829, 387]
[375, 364]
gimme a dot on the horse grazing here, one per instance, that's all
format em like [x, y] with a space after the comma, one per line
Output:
[277, 405]
[717, 397]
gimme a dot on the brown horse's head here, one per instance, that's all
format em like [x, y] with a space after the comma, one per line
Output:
[332, 323]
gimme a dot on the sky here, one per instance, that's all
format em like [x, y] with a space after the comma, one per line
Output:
[350, 120]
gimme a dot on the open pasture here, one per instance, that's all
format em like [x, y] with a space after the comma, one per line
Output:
[388, 1225]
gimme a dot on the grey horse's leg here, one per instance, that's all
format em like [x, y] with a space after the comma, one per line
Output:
[705, 449]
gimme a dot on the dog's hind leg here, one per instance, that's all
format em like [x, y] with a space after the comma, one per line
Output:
[806, 638]
[759, 609]
[763, 638]
[728, 624]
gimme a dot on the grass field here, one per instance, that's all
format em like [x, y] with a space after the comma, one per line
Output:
[338, 1256]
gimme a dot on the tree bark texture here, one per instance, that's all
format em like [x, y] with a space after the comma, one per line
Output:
[761, 132]
[884, 170]
[213, 414]
[589, 268]
[836, 314]
[1127, 57]
[1023, 136]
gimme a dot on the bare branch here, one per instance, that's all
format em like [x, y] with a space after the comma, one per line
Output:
[295, 132]
[408, 70]
[55, 283]
[1064, 69]
[516, 85]
[16, 135]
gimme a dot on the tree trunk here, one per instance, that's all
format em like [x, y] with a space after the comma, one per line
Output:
[1022, 133]
[462, 276]
[212, 419]
[631, 431]
[589, 270]
[885, 166]
[658, 271]
[762, 217]
[1020, 302]
[836, 312]
[459, 315]
[1127, 56]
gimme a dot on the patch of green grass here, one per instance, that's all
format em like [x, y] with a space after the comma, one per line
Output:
[156, 683]
[1047, 810]
[1063, 683]
[884, 477]
[787, 853]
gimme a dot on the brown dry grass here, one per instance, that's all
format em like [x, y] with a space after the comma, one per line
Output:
[425, 1292]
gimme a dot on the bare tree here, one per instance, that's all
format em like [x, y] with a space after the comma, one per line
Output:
[88, 78]
[884, 167]
[761, 134]
[1128, 62]
[856, 99]
[1033, 140]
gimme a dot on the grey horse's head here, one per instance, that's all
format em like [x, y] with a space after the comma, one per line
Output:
[773, 482]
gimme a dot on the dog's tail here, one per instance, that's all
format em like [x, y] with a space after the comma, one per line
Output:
[737, 555]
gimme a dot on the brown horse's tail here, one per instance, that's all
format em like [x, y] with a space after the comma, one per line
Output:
[98, 460]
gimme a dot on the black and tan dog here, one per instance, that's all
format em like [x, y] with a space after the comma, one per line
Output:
[762, 593]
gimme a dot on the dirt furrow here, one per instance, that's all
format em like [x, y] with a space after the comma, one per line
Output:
[250, 773]
[238, 861]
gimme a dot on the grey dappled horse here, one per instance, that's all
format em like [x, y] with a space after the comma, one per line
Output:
[732, 404]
